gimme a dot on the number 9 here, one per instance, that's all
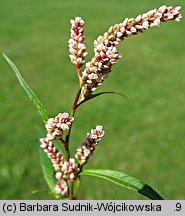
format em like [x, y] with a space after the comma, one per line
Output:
[178, 206]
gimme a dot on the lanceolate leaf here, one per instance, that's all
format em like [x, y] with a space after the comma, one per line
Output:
[150, 193]
[108, 92]
[30, 93]
[101, 93]
[123, 180]
[48, 170]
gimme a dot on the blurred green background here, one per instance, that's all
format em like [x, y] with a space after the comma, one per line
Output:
[144, 134]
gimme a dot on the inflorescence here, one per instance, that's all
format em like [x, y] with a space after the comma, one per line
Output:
[76, 46]
[89, 145]
[67, 171]
[105, 52]
[105, 55]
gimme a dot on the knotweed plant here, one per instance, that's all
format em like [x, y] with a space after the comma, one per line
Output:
[62, 170]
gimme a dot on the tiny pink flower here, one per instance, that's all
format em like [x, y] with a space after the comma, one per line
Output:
[62, 188]
[69, 170]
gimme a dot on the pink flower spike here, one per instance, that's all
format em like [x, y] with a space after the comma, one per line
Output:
[89, 145]
[76, 46]
[56, 126]
[104, 54]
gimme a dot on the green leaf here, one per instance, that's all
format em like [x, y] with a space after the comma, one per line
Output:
[101, 93]
[58, 146]
[57, 196]
[48, 170]
[40, 191]
[150, 193]
[108, 92]
[30, 93]
[123, 180]
[76, 186]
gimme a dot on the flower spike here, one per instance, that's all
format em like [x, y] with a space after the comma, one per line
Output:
[56, 126]
[89, 145]
[76, 46]
[105, 53]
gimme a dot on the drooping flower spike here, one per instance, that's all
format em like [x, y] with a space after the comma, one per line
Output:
[104, 47]
[65, 171]
[56, 158]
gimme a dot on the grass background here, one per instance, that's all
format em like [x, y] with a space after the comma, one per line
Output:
[144, 135]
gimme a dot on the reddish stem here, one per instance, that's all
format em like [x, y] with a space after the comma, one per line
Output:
[73, 110]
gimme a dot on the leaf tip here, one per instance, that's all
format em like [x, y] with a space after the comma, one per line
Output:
[7, 58]
[4, 55]
[150, 193]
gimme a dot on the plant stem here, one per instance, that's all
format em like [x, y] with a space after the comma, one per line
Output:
[70, 191]
[66, 149]
[62, 141]
[73, 110]
[66, 142]
[66, 146]
[79, 73]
